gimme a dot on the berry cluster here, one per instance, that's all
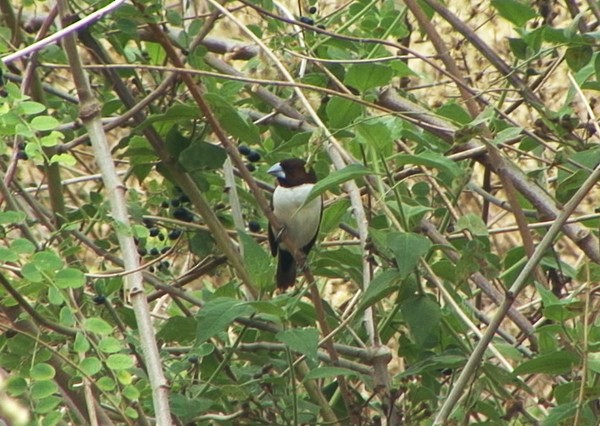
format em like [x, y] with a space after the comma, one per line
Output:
[310, 21]
[252, 156]
[180, 212]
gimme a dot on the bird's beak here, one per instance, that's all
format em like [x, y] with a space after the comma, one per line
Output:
[276, 171]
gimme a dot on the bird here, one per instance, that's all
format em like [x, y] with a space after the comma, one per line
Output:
[300, 222]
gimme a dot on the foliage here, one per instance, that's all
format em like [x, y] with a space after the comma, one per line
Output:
[444, 156]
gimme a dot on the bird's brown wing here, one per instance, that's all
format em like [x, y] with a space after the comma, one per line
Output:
[272, 242]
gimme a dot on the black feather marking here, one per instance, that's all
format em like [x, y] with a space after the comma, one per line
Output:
[286, 270]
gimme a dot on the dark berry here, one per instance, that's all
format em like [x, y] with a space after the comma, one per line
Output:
[254, 226]
[251, 167]
[151, 269]
[22, 145]
[154, 232]
[184, 198]
[21, 155]
[307, 21]
[174, 234]
[244, 150]
[193, 359]
[164, 265]
[161, 237]
[165, 204]
[312, 9]
[154, 251]
[320, 26]
[142, 251]
[253, 157]
[99, 299]
[183, 214]
[165, 250]
[148, 223]
[175, 202]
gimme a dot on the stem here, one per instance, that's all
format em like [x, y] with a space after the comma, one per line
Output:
[90, 115]
[519, 284]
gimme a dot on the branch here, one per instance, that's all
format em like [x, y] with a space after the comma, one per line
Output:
[519, 284]
[540, 199]
[68, 30]
[90, 115]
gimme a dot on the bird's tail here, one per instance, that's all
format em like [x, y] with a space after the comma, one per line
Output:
[286, 270]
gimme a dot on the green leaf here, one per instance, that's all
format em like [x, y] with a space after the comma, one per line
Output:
[384, 284]
[578, 57]
[69, 278]
[408, 248]
[42, 371]
[368, 76]
[342, 112]
[560, 414]
[435, 363]
[258, 261]
[269, 308]
[8, 255]
[556, 309]
[515, 11]
[188, 408]
[90, 365]
[236, 124]
[51, 139]
[15, 385]
[423, 317]
[328, 372]
[201, 156]
[98, 326]
[559, 362]
[376, 134]
[106, 384]
[178, 329]
[335, 179]
[119, 362]
[473, 223]
[64, 159]
[11, 217]
[81, 343]
[594, 362]
[507, 134]
[176, 142]
[47, 261]
[43, 389]
[202, 243]
[22, 246]
[48, 406]
[518, 47]
[31, 108]
[568, 186]
[302, 340]
[455, 112]
[31, 273]
[217, 315]
[43, 123]
[131, 393]
[432, 160]
[110, 345]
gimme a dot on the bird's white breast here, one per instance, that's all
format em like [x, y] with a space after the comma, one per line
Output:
[301, 222]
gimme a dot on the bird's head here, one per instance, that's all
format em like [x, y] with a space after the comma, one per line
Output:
[292, 172]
